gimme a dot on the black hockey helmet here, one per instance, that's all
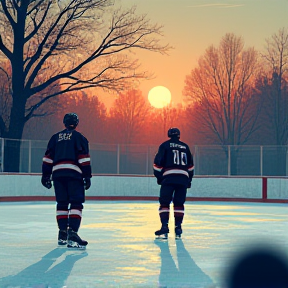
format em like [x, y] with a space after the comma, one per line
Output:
[174, 132]
[71, 120]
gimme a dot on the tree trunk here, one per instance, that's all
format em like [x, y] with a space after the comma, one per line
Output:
[14, 135]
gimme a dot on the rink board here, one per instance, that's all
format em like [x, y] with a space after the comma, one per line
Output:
[131, 187]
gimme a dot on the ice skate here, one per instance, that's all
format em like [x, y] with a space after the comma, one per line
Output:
[62, 237]
[74, 241]
[178, 232]
[162, 233]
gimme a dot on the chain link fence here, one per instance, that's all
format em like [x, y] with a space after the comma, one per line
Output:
[213, 160]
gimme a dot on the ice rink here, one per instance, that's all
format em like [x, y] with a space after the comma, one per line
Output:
[122, 251]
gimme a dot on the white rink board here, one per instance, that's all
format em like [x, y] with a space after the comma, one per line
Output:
[145, 186]
[277, 188]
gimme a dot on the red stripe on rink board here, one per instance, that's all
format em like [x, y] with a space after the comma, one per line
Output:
[264, 188]
[139, 198]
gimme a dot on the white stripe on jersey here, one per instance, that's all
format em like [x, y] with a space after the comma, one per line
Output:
[176, 171]
[47, 160]
[157, 168]
[191, 168]
[84, 160]
[67, 166]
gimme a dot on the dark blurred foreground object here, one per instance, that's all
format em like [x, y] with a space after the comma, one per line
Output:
[259, 268]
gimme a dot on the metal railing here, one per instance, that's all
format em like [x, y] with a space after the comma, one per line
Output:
[213, 160]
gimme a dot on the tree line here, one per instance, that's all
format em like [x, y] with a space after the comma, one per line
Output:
[53, 52]
[234, 96]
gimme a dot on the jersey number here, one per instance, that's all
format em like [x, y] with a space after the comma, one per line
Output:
[177, 157]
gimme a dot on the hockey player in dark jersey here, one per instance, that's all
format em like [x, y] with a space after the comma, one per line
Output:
[67, 160]
[174, 170]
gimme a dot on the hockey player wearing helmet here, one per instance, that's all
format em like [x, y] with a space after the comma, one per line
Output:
[67, 160]
[174, 170]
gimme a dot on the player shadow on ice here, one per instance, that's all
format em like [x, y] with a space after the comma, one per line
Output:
[41, 274]
[187, 274]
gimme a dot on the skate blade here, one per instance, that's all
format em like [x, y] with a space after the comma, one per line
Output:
[178, 237]
[62, 246]
[161, 237]
[75, 245]
[62, 243]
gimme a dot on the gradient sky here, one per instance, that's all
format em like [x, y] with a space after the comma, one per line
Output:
[191, 26]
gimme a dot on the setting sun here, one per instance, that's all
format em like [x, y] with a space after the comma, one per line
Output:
[159, 96]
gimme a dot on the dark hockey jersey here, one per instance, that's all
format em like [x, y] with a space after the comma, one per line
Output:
[67, 155]
[173, 163]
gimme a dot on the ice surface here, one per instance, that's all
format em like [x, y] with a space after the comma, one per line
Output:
[122, 251]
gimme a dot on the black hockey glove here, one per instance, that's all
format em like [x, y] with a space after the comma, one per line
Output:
[159, 181]
[189, 185]
[46, 182]
[87, 183]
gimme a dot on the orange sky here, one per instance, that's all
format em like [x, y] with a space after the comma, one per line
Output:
[192, 25]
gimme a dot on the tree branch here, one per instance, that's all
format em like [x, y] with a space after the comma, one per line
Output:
[5, 50]
[37, 26]
[7, 14]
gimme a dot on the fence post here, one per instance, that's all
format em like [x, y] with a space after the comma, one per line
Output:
[229, 160]
[29, 156]
[118, 158]
[286, 161]
[2, 154]
[147, 160]
[261, 160]
[195, 159]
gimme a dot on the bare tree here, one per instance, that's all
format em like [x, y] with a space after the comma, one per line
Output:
[161, 119]
[5, 97]
[221, 91]
[92, 115]
[221, 87]
[74, 45]
[130, 112]
[274, 87]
